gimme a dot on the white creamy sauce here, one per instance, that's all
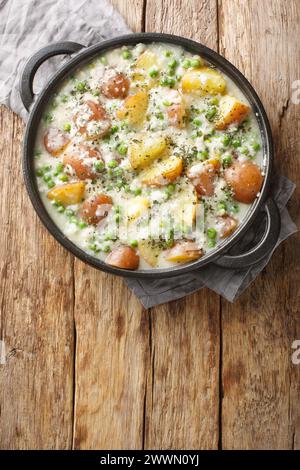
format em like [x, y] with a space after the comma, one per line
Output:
[170, 206]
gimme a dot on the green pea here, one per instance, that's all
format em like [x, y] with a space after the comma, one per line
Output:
[168, 53]
[138, 191]
[256, 146]
[227, 160]
[244, 150]
[226, 140]
[39, 172]
[81, 86]
[197, 122]
[69, 212]
[153, 72]
[112, 164]
[82, 224]
[126, 54]
[211, 233]
[67, 127]
[60, 209]
[203, 155]
[106, 247]
[210, 114]
[236, 143]
[64, 98]
[186, 63]
[114, 129]
[64, 178]
[103, 60]
[195, 63]
[50, 184]
[122, 148]
[59, 167]
[166, 103]
[214, 101]
[99, 166]
[47, 178]
[172, 64]
[48, 118]
[117, 217]
[222, 206]
[127, 188]
[134, 243]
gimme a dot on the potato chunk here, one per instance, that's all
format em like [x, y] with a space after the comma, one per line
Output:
[114, 84]
[55, 141]
[123, 257]
[67, 194]
[231, 111]
[136, 207]
[144, 149]
[163, 172]
[203, 81]
[227, 225]
[149, 252]
[147, 60]
[134, 108]
[96, 208]
[245, 179]
[183, 252]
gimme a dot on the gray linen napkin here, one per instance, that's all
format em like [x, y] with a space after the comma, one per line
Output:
[28, 25]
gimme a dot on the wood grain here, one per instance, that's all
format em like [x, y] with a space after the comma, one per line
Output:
[261, 386]
[112, 353]
[183, 385]
[36, 389]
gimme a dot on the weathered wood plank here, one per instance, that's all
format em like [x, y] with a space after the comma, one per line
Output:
[112, 347]
[261, 386]
[36, 315]
[183, 387]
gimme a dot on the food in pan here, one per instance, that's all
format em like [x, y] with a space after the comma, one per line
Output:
[148, 157]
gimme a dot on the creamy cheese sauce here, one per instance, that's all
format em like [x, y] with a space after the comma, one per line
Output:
[156, 130]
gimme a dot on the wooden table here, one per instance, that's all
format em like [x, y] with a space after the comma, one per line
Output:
[86, 366]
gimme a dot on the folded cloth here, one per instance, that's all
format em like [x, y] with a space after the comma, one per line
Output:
[31, 24]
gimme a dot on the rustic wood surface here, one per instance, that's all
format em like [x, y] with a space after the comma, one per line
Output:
[86, 366]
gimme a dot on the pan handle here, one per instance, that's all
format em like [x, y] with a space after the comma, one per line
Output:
[264, 247]
[34, 62]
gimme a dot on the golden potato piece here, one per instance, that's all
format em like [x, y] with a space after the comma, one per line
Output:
[184, 252]
[184, 205]
[136, 207]
[134, 108]
[203, 81]
[162, 173]
[231, 110]
[144, 149]
[149, 252]
[68, 194]
[146, 61]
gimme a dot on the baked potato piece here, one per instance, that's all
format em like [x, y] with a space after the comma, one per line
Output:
[227, 225]
[96, 208]
[146, 61]
[245, 179]
[134, 108]
[114, 84]
[145, 148]
[67, 194]
[92, 120]
[136, 207]
[149, 252]
[184, 206]
[231, 110]
[163, 172]
[203, 81]
[123, 257]
[81, 159]
[203, 176]
[184, 252]
[55, 141]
